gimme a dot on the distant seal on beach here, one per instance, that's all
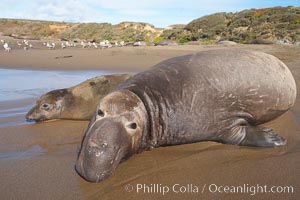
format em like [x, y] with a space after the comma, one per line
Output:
[77, 102]
[226, 42]
[217, 95]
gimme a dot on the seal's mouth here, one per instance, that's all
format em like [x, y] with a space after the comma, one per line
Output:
[106, 143]
[35, 119]
[30, 120]
[33, 116]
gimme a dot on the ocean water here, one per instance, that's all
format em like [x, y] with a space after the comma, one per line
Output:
[19, 89]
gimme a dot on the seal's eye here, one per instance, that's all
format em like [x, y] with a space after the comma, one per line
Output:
[100, 113]
[45, 106]
[132, 126]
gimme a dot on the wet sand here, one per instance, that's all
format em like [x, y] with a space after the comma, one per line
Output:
[37, 160]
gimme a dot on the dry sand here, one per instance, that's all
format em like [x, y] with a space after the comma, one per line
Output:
[37, 160]
[127, 58]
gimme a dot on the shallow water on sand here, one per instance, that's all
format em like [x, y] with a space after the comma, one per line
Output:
[10, 152]
[20, 88]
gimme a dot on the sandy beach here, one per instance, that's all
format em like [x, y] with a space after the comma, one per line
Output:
[126, 58]
[37, 160]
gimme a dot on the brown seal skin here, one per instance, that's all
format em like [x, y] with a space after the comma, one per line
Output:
[78, 102]
[217, 95]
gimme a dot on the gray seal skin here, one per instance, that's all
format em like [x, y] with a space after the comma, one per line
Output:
[217, 95]
[78, 102]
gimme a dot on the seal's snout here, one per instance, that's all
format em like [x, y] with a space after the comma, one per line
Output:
[31, 115]
[35, 114]
[95, 165]
[106, 143]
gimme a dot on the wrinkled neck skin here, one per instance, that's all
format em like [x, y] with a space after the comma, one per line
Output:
[157, 111]
[139, 141]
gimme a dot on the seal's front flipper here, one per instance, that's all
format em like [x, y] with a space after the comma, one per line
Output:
[247, 135]
[262, 137]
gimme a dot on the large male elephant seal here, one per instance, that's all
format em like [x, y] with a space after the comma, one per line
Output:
[77, 102]
[217, 95]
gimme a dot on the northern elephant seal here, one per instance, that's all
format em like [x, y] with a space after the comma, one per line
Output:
[217, 95]
[77, 102]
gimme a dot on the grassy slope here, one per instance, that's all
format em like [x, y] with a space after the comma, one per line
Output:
[268, 24]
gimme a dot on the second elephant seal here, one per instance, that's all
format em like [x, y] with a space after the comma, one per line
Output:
[77, 102]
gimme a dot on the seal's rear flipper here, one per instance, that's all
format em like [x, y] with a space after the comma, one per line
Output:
[247, 135]
[262, 137]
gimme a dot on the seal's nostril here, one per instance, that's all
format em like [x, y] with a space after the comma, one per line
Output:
[92, 144]
[104, 145]
[99, 153]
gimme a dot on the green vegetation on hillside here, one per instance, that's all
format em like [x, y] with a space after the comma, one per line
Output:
[126, 31]
[267, 25]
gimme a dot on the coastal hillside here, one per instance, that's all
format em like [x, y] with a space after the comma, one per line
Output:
[269, 25]
[36, 30]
